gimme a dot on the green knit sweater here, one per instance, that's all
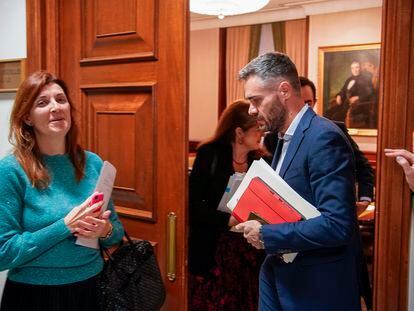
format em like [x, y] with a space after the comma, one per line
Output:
[35, 244]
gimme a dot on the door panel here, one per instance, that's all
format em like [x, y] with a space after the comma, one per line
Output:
[125, 63]
[121, 129]
[116, 30]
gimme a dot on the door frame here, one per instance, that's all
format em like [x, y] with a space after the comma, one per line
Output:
[395, 130]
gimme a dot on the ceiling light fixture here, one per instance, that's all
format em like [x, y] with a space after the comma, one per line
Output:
[221, 8]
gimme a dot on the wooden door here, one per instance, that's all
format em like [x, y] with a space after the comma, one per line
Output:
[394, 201]
[125, 62]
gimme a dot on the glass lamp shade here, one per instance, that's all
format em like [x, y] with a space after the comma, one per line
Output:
[223, 8]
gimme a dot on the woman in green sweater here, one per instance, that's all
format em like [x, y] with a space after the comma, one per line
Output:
[45, 181]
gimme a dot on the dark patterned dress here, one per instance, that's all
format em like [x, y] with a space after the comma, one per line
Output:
[233, 284]
[223, 267]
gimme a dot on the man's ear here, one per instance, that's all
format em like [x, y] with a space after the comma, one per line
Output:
[285, 89]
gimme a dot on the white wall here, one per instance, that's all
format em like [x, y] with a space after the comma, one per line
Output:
[204, 64]
[351, 27]
[12, 45]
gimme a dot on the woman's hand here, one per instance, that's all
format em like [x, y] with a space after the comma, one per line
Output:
[94, 227]
[81, 212]
[406, 160]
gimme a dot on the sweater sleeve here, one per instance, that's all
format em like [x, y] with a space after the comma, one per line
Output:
[17, 246]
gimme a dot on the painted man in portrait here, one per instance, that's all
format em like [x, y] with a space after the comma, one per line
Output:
[355, 102]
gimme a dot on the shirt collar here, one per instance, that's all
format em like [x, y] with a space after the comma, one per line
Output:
[293, 126]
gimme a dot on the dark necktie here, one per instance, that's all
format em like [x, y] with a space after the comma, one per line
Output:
[278, 152]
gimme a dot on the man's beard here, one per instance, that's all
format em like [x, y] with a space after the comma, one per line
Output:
[277, 117]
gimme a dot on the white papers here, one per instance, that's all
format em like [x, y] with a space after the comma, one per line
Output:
[261, 169]
[104, 185]
[232, 185]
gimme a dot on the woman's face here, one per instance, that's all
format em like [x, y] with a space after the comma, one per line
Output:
[252, 137]
[50, 113]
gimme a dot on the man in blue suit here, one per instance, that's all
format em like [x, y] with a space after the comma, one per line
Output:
[315, 159]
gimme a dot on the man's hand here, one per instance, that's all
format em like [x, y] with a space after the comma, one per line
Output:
[353, 100]
[232, 221]
[338, 99]
[361, 206]
[406, 160]
[251, 232]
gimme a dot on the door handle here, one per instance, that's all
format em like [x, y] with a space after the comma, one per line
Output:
[171, 251]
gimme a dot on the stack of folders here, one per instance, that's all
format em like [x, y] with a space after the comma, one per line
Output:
[234, 182]
[264, 196]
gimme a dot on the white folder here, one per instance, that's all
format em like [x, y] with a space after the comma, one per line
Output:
[260, 168]
[104, 185]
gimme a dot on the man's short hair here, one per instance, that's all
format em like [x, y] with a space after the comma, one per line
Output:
[306, 82]
[272, 65]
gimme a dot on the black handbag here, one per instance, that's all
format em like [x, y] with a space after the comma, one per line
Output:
[131, 279]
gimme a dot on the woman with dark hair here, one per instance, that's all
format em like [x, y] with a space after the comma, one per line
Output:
[223, 268]
[46, 190]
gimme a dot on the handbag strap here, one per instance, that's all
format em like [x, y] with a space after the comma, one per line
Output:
[104, 251]
[109, 255]
[127, 237]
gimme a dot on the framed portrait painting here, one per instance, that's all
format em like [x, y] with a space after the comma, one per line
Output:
[348, 85]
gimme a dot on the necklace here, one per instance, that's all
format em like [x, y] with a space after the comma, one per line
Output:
[239, 163]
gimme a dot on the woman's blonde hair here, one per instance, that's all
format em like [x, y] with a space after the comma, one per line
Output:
[22, 136]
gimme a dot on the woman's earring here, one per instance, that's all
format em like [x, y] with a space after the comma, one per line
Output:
[240, 140]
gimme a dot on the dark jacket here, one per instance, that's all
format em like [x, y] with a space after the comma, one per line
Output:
[208, 180]
[362, 88]
[365, 178]
[364, 172]
[319, 166]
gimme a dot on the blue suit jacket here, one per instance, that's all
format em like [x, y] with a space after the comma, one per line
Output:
[319, 165]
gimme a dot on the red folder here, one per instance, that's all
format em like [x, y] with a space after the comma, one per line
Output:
[262, 203]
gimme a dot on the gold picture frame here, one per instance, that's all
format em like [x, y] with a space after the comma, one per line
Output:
[12, 73]
[338, 75]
